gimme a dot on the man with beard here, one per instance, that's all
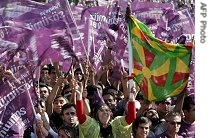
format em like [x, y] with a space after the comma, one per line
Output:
[157, 126]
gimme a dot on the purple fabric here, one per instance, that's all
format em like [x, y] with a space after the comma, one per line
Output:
[16, 106]
[191, 81]
[163, 34]
[96, 36]
[164, 135]
[187, 130]
[121, 42]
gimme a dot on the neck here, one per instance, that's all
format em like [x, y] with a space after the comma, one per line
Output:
[104, 125]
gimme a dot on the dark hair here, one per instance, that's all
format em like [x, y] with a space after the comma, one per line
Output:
[64, 88]
[108, 88]
[77, 69]
[188, 100]
[166, 100]
[50, 68]
[42, 84]
[58, 96]
[96, 107]
[40, 102]
[139, 120]
[145, 112]
[106, 91]
[91, 89]
[69, 131]
[139, 96]
[67, 106]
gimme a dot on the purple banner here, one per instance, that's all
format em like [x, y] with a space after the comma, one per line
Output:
[16, 112]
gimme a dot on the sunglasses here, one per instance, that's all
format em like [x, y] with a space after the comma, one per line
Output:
[174, 123]
[71, 113]
[143, 127]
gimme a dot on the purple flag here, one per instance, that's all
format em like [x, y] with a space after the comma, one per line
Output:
[16, 106]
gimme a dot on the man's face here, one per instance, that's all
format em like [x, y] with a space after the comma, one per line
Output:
[164, 107]
[191, 113]
[152, 115]
[44, 73]
[69, 116]
[173, 124]
[58, 103]
[53, 77]
[78, 75]
[109, 100]
[44, 93]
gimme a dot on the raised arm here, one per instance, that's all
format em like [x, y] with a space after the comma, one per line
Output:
[131, 114]
[124, 82]
[78, 89]
[53, 94]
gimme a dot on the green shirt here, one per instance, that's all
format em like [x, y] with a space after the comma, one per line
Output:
[91, 128]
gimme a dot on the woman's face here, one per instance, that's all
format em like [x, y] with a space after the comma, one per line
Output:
[104, 115]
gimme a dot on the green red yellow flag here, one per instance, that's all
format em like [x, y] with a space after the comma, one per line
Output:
[161, 69]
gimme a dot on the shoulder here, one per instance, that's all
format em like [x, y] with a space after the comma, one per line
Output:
[90, 121]
[163, 135]
[119, 120]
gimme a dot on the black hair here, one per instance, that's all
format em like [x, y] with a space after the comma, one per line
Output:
[106, 91]
[67, 106]
[69, 131]
[77, 69]
[58, 96]
[145, 112]
[91, 89]
[139, 96]
[188, 100]
[64, 88]
[96, 107]
[50, 68]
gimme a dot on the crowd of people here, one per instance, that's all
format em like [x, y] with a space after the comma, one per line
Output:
[87, 104]
[83, 103]
[92, 105]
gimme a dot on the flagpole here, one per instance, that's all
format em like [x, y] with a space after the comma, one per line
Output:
[89, 38]
[130, 61]
[71, 14]
[130, 53]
